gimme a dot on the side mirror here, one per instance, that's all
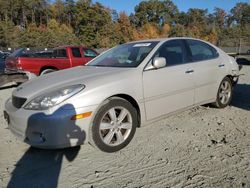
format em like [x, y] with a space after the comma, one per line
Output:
[159, 62]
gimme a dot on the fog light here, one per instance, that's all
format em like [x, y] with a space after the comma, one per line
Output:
[81, 116]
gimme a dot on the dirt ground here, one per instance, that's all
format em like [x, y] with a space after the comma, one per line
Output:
[201, 147]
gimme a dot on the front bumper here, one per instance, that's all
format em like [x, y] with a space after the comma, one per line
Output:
[49, 130]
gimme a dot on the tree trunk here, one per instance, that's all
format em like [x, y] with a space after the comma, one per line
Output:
[33, 16]
[24, 22]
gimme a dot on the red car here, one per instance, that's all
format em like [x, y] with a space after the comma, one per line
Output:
[61, 58]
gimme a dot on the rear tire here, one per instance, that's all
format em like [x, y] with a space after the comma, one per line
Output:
[47, 71]
[114, 125]
[225, 93]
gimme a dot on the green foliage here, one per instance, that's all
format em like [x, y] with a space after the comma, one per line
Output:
[94, 25]
[241, 13]
[8, 34]
[40, 23]
[155, 11]
[178, 30]
[52, 35]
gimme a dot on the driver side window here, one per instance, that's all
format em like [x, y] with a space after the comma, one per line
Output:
[173, 51]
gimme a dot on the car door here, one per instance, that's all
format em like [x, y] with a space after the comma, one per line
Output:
[170, 88]
[60, 60]
[207, 70]
[88, 54]
[77, 59]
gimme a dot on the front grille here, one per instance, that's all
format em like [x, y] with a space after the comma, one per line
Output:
[18, 101]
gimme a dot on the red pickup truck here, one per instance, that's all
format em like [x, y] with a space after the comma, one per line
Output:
[61, 58]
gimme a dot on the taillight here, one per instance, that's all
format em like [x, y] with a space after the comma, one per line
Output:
[18, 64]
[18, 61]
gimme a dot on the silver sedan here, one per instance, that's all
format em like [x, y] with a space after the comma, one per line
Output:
[104, 102]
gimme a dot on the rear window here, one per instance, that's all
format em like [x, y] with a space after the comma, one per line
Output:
[60, 53]
[1, 55]
[21, 52]
[76, 52]
[43, 54]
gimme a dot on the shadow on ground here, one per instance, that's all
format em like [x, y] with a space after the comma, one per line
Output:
[41, 168]
[243, 61]
[241, 97]
[9, 87]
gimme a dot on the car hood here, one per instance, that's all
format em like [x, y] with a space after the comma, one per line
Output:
[64, 78]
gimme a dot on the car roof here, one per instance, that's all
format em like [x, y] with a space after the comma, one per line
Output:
[164, 39]
[71, 46]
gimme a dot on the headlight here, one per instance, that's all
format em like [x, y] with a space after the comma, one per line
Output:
[49, 100]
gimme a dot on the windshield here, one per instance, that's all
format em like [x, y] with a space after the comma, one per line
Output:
[126, 55]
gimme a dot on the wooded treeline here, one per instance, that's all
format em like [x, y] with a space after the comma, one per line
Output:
[41, 23]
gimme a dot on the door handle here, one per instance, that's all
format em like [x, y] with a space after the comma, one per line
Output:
[222, 65]
[189, 71]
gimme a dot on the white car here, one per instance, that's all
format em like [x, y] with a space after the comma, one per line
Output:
[105, 101]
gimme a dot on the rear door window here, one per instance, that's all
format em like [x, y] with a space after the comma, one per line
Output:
[201, 51]
[1, 55]
[76, 52]
[60, 53]
[22, 52]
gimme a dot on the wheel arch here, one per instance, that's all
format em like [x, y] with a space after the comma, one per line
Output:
[47, 67]
[226, 76]
[217, 102]
[132, 101]
[233, 79]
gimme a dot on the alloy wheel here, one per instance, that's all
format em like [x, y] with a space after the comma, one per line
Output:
[225, 92]
[115, 126]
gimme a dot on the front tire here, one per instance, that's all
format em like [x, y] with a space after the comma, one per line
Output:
[225, 92]
[114, 125]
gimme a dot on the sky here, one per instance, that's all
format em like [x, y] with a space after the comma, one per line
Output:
[128, 5]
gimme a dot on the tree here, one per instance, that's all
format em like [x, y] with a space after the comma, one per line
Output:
[182, 19]
[30, 37]
[47, 23]
[37, 11]
[95, 24]
[147, 31]
[58, 34]
[178, 31]
[220, 16]
[197, 17]
[154, 11]
[165, 30]
[58, 11]
[70, 12]
[47, 36]
[9, 33]
[211, 36]
[241, 13]
[197, 22]
[125, 28]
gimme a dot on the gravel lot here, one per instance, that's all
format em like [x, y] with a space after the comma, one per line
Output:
[201, 147]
